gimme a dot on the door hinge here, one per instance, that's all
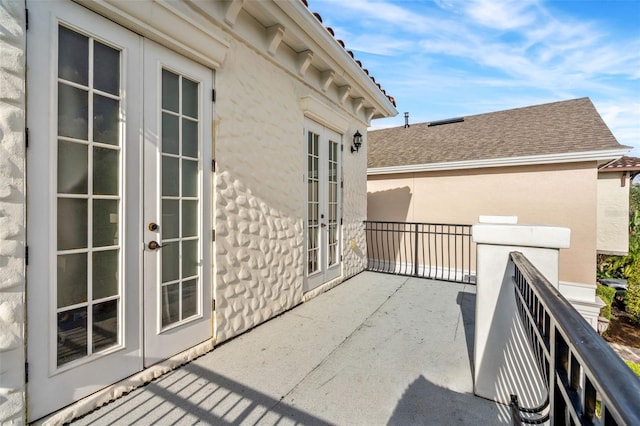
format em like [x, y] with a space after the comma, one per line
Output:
[340, 258]
[26, 137]
[26, 372]
[213, 235]
[26, 255]
[213, 304]
[341, 184]
[213, 165]
[341, 221]
[26, 18]
[341, 147]
[213, 95]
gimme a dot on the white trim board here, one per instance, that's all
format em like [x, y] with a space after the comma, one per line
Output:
[573, 157]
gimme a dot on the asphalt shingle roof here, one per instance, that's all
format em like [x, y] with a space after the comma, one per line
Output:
[555, 128]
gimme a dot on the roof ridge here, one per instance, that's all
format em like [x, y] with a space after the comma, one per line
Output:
[492, 112]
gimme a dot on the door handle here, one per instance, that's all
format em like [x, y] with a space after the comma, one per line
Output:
[322, 225]
[153, 245]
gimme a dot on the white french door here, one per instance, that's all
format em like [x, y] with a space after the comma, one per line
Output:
[177, 203]
[323, 230]
[107, 141]
[83, 293]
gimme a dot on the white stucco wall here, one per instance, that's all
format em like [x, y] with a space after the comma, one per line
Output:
[613, 214]
[354, 208]
[260, 191]
[12, 197]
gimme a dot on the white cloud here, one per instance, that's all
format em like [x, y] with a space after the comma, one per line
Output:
[501, 15]
[463, 55]
[622, 118]
[381, 11]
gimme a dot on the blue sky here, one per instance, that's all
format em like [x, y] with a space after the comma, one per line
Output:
[449, 58]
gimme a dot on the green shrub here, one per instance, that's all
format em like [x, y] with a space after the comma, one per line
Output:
[613, 266]
[606, 294]
[632, 298]
[606, 312]
[634, 367]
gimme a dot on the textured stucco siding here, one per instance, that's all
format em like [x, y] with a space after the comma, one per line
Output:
[12, 211]
[260, 193]
[354, 207]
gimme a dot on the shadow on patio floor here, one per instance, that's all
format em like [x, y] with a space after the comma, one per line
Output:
[378, 349]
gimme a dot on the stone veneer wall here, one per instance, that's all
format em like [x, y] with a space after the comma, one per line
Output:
[260, 193]
[12, 211]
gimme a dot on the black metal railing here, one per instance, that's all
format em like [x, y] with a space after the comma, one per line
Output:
[588, 383]
[428, 250]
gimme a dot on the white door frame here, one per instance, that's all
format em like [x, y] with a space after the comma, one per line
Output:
[325, 226]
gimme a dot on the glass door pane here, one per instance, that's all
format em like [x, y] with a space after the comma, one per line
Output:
[180, 255]
[313, 203]
[88, 197]
[332, 204]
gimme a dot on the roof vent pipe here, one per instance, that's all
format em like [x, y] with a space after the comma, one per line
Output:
[406, 120]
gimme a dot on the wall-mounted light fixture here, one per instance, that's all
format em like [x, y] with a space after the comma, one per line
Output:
[357, 141]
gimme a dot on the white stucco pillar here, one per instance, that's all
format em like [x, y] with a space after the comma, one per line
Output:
[12, 207]
[583, 298]
[503, 361]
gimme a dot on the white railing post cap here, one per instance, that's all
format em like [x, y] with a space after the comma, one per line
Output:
[541, 236]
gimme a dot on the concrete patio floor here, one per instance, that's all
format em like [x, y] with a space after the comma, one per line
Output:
[378, 349]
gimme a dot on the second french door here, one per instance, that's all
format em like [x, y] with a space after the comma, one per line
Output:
[323, 175]
[177, 206]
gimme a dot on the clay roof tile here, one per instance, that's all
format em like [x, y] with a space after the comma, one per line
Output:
[623, 163]
[341, 43]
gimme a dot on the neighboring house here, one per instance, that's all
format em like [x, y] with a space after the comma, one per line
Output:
[184, 181]
[614, 182]
[539, 163]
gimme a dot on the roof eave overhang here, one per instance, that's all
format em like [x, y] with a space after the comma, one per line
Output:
[532, 160]
[322, 43]
[618, 169]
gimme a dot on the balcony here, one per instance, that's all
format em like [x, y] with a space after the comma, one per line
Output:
[378, 349]
[403, 348]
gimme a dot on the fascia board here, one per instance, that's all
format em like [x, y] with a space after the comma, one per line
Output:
[323, 44]
[531, 160]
